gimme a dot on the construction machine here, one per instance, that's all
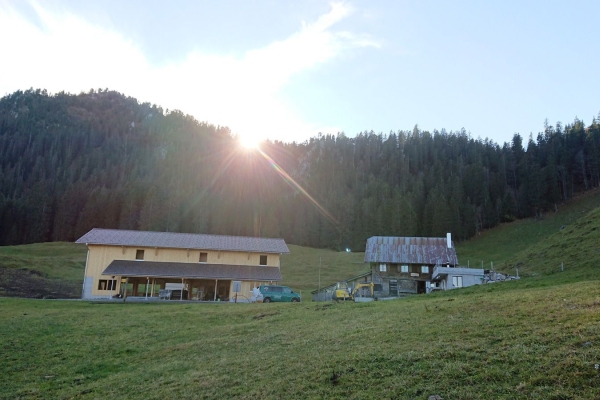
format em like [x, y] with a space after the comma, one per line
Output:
[343, 292]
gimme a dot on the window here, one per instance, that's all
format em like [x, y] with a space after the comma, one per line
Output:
[382, 268]
[403, 268]
[263, 260]
[424, 269]
[107, 284]
[457, 281]
[139, 254]
[203, 257]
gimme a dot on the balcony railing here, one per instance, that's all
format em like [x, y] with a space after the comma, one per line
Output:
[442, 271]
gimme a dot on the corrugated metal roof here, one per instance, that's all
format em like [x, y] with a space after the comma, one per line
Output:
[119, 237]
[192, 270]
[410, 250]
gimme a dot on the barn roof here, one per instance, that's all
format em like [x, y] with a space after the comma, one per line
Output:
[410, 250]
[192, 270]
[118, 237]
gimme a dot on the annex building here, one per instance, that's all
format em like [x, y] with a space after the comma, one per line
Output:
[402, 266]
[198, 266]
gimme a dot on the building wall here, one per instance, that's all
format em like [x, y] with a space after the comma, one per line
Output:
[473, 277]
[406, 282]
[100, 256]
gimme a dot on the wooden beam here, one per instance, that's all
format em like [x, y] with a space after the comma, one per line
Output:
[125, 291]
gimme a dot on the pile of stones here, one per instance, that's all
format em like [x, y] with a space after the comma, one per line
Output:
[493, 276]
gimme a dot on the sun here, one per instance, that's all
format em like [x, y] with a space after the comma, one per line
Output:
[249, 142]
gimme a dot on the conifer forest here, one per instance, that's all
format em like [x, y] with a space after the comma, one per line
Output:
[69, 163]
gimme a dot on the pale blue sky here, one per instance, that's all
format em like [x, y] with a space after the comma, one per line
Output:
[287, 70]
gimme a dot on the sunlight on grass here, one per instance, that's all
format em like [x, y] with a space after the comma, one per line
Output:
[516, 343]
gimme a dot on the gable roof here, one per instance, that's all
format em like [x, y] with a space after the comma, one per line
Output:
[118, 237]
[410, 250]
[192, 270]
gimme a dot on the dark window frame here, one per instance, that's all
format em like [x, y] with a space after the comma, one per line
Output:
[109, 284]
[139, 254]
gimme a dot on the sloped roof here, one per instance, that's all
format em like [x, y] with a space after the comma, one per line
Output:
[410, 250]
[118, 237]
[192, 270]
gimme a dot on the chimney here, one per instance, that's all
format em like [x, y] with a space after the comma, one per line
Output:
[449, 239]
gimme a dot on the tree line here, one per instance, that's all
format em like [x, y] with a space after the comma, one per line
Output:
[69, 163]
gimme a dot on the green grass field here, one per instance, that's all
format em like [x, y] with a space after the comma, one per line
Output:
[534, 338]
[42, 270]
[504, 242]
[483, 342]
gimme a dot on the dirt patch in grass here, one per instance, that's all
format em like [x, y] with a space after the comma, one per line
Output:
[24, 282]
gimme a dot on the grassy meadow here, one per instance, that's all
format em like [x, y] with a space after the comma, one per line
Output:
[501, 244]
[300, 268]
[43, 270]
[534, 338]
[501, 341]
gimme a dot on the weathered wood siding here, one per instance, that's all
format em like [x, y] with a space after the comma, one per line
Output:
[404, 282]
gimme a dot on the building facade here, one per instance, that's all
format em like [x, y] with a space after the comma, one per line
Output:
[403, 266]
[201, 267]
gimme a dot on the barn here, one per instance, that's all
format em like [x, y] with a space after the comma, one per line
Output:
[403, 266]
[202, 267]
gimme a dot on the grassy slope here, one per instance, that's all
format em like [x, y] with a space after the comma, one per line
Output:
[502, 243]
[577, 247]
[525, 339]
[42, 270]
[475, 343]
[59, 260]
[300, 269]
[50, 263]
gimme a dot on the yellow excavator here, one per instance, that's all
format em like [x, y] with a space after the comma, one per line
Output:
[343, 292]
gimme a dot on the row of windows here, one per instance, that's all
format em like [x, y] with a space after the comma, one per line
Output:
[404, 268]
[139, 255]
[107, 284]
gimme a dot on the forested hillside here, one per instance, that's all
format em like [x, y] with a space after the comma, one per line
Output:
[69, 163]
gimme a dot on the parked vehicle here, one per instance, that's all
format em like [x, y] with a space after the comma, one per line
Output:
[343, 292]
[278, 293]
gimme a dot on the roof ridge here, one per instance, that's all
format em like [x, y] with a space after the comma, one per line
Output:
[184, 233]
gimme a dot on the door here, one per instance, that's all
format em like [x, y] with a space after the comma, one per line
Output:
[287, 294]
[457, 281]
[277, 293]
[394, 287]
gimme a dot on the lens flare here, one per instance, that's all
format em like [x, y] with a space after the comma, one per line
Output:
[296, 186]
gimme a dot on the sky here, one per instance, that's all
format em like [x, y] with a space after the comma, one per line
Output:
[289, 70]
